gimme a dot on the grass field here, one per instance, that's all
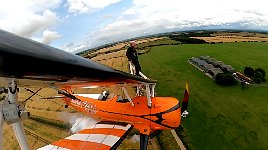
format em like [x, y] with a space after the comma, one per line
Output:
[220, 117]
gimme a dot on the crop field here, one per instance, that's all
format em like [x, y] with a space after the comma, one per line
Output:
[235, 37]
[220, 117]
[117, 47]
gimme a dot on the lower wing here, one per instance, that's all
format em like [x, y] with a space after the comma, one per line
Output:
[102, 136]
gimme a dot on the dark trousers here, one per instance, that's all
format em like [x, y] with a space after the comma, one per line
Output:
[137, 67]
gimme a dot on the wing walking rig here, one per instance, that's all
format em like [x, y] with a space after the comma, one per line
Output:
[26, 63]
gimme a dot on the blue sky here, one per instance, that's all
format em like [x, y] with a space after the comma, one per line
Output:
[75, 25]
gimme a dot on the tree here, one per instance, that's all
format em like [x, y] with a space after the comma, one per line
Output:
[256, 80]
[261, 71]
[225, 79]
[259, 75]
[248, 71]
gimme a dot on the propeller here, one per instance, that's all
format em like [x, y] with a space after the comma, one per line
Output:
[13, 112]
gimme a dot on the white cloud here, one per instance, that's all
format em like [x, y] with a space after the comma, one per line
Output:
[29, 26]
[48, 37]
[150, 16]
[194, 10]
[28, 17]
[85, 6]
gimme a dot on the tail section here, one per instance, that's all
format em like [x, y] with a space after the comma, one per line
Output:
[185, 101]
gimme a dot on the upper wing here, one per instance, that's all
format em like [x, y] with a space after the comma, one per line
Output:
[22, 58]
[102, 136]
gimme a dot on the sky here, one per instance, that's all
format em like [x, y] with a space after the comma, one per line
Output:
[77, 25]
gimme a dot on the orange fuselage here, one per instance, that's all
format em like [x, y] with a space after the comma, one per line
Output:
[164, 114]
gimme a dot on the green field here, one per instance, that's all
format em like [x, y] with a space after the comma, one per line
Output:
[220, 117]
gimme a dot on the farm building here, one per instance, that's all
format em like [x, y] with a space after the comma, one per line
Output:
[208, 67]
[198, 62]
[227, 68]
[211, 65]
[242, 78]
[211, 60]
[214, 71]
[217, 64]
[204, 57]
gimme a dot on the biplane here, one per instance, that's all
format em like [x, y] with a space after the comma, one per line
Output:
[26, 63]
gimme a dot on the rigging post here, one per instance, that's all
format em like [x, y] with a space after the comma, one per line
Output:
[148, 94]
[152, 90]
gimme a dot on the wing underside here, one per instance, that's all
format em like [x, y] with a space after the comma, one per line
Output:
[24, 59]
[102, 136]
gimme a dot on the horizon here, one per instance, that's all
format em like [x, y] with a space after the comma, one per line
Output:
[238, 30]
[79, 25]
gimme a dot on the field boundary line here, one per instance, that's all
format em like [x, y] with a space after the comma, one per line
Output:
[178, 140]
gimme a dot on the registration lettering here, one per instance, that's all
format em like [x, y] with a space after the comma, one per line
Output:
[88, 106]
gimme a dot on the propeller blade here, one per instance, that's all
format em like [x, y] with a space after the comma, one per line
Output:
[143, 141]
[20, 135]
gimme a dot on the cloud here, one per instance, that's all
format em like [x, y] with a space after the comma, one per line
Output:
[48, 37]
[27, 18]
[85, 6]
[36, 23]
[146, 17]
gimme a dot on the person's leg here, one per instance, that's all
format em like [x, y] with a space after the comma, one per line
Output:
[137, 68]
[137, 71]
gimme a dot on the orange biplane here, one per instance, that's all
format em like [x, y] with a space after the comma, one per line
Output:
[26, 63]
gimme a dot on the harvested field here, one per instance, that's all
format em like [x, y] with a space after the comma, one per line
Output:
[117, 47]
[233, 39]
[222, 36]
[242, 34]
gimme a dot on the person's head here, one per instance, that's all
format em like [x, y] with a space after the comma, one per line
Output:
[133, 44]
[105, 93]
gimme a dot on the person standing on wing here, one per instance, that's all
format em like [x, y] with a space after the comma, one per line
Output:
[132, 56]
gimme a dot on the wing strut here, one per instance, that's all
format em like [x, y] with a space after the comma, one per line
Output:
[128, 97]
[148, 93]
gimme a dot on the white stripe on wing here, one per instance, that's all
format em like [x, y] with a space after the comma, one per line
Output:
[109, 140]
[52, 147]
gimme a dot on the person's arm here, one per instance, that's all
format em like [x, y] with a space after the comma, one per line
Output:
[128, 53]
